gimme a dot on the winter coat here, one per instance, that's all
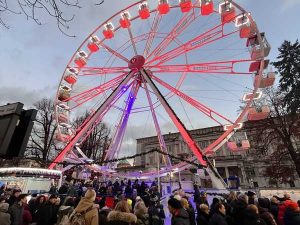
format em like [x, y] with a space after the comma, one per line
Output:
[121, 218]
[90, 215]
[192, 216]
[12, 200]
[64, 210]
[202, 218]
[47, 214]
[291, 217]
[251, 218]
[238, 208]
[142, 215]
[156, 215]
[27, 218]
[281, 211]
[218, 219]
[103, 216]
[181, 217]
[267, 216]
[274, 211]
[16, 214]
[4, 215]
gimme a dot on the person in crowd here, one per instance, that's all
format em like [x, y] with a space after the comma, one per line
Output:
[103, 190]
[4, 215]
[238, 208]
[251, 198]
[190, 210]
[103, 213]
[141, 212]
[2, 189]
[213, 208]
[27, 217]
[203, 215]
[156, 211]
[298, 203]
[274, 208]
[121, 215]
[17, 209]
[219, 217]
[231, 197]
[251, 216]
[66, 209]
[53, 189]
[14, 197]
[282, 207]
[292, 214]
[87, 207]
[264, 207]
[179, 215]
[47, 214]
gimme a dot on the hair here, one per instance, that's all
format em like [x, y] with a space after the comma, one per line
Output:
[219, 205]
[203, 207]
[184, 203]
[264, 203]
[232, 195]
[69, 201]
[21, 196]
[122, 206]
[252, 208]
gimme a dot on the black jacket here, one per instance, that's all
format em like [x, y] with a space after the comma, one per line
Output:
[181, 218]
[16, 214]
[252, 219]
[47, 214]
[291, 217]
[218, 219]
[237, 211]
[202, 218]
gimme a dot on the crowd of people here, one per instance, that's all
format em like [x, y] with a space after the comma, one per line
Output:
[136, 203]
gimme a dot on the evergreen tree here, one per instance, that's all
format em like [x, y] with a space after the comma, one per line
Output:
[288, 67]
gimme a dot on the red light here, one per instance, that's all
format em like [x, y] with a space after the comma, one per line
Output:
[124, 23]
[163, 8]
[144, 13]
[186, 6]
[207, 9]
[93, 47]
[80, 62]
[228, 16]
[108, 34]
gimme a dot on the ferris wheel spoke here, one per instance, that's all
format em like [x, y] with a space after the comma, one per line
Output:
[177, 122]
[94, 71]
[117, 54]
[214, 34]
[152, 34]
[87, 95]
[212, 114]
[132, 41]
[181, 25]
[161, 140]
[219, 67]
[120, 132]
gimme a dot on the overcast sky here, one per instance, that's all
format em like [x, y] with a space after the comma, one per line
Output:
[33, 57]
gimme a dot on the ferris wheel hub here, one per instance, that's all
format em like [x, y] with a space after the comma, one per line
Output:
[137, 62]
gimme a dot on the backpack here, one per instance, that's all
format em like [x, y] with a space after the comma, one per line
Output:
[75, 218]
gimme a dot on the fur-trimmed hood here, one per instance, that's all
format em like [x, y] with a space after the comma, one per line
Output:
[121, 216]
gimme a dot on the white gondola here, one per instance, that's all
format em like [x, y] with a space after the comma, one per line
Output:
[64, 93]
[81, 59]
[144, 10]
[125, 20]
[227, 11]
[236, 127]
[238, 142]
[93, 43]
[265, 82]
[257, 53]
[245, 25]
[71, 75]
[251, 96]
[108, 31]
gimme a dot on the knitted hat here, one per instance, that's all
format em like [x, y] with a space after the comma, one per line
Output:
[90, 194]
[174, 203]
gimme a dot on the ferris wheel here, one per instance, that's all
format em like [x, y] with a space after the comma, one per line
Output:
[175, 61]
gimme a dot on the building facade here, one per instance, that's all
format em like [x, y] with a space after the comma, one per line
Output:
[246, 165]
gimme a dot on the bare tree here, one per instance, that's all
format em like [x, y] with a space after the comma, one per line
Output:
[33, 8]
[41, 142]
[276, 139]
[97, 142]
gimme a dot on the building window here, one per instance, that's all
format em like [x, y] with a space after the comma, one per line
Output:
[222, 172]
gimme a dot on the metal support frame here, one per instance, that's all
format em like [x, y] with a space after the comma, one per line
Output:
[96, 115]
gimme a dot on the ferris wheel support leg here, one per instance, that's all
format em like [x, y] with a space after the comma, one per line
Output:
[215, 177]
[96, 115]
